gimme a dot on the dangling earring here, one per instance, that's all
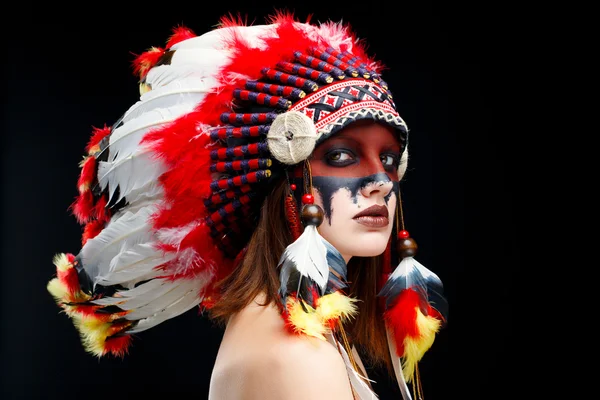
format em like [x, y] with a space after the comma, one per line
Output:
[415, 310]
[313, 278]
[303, 269]
[311, 298]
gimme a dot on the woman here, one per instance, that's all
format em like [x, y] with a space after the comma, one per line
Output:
[358, 223]
[257, 177]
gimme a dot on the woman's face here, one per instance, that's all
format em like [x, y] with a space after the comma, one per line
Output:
[355, 181]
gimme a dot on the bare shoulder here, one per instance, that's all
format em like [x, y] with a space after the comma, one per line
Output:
[320, 362]
[258, 359]
[300, 368]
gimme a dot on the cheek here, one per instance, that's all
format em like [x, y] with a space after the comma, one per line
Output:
[392, 207]
[333, 186]
[337, 206]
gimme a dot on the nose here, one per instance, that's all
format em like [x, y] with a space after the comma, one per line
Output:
[376, 185]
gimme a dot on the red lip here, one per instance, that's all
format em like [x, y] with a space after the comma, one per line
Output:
[374, 211]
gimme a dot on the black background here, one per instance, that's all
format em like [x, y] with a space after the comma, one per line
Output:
[68, 70]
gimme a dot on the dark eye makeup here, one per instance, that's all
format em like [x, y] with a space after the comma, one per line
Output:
[390, 161]
[340, 157]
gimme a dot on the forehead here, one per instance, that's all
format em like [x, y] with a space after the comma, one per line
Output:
[367, 133]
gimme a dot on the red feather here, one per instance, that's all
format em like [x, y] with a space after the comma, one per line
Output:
[117, 346]
[69, 279]
[143, 62]
[88, 173]
[186, 150]
[83, 206]
[180, 34]
[91, 230]
[100, 211]
[401, 317]
[97, 135]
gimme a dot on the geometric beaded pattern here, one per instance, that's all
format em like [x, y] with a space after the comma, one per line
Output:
[339, 104]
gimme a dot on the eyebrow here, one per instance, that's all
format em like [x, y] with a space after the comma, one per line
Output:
[344, 136]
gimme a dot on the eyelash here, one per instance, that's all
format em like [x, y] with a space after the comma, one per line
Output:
[395, 160]
[336, 163]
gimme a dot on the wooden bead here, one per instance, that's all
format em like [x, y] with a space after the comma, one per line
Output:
[312, 214]
[406, 247]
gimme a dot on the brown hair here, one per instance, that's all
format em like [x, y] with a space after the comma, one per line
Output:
[258, 273]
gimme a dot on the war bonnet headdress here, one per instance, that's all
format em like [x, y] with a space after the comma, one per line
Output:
[170, 193]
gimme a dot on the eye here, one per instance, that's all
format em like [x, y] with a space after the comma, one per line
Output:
[390, 160]
[339, 157]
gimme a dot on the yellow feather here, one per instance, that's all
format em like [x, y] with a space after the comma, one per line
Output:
[93, 333]
[62, 263]
[57, 290]
[94, 149]
[309, 323]
[336, 305]
[415, 348]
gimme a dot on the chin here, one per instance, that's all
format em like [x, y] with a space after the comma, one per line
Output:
[369, 245]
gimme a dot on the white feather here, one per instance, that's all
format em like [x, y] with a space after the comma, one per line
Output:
[336, 34]
[357, 380]
[309, 255]
[217, 38]
[207, 61]
[126, 137]
[124, 295]
[208, 41]
[187, 302]
[121, 233]
[163, 75]
[134, 263]
[124, 144]
[412, 273]
[130, 172]
[177, 290]
[141, 295]
[397, 367]
[174, 236]
[152, 191]
[158, 300]
[129, 279]
[178, 101]
[189, 261]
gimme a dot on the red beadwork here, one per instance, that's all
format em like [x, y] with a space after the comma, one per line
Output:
[403, 234]
[293, 186]
[308, 199]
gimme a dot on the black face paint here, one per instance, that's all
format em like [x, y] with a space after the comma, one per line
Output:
[329, 185]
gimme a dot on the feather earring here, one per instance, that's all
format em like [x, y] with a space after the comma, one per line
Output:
[312, 275]
[415, 311]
